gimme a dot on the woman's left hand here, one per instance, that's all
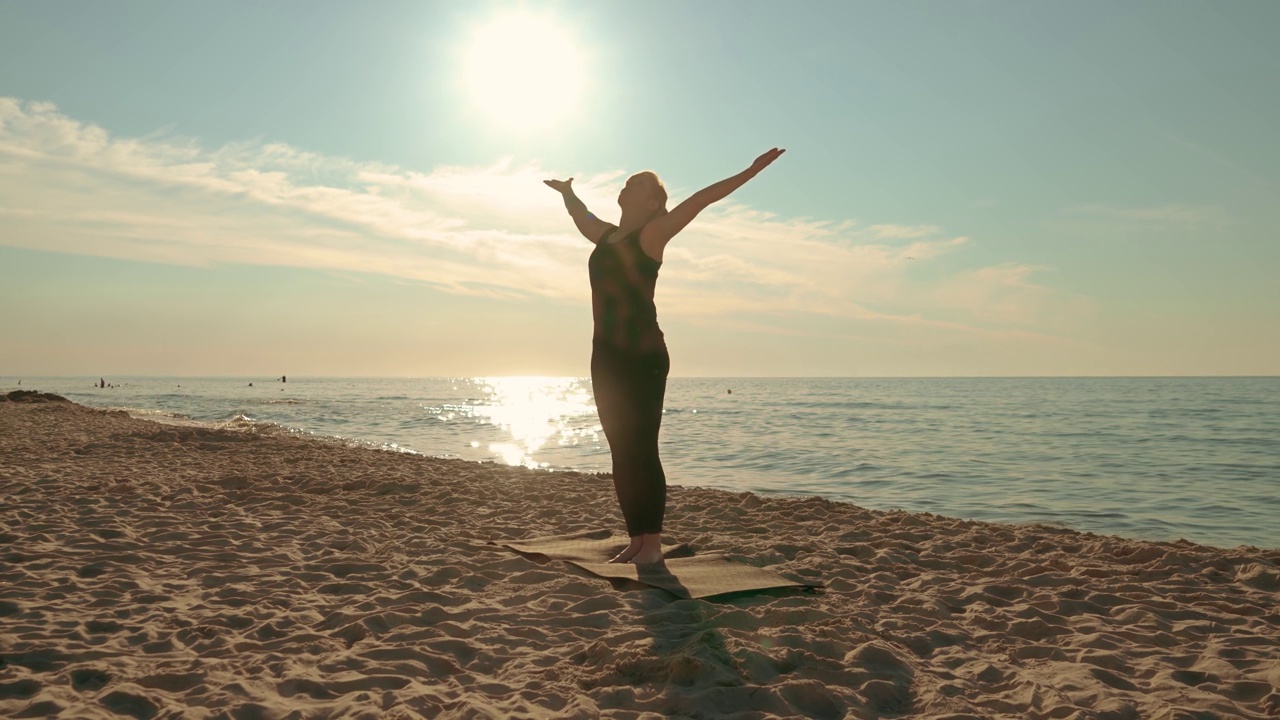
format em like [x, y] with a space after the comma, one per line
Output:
[763, 161]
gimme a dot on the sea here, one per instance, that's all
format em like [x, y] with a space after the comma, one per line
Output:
[1165, 458]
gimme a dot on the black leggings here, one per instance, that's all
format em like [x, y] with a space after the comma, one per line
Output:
[629, 388]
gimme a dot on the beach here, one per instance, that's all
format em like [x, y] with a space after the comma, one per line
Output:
[160, 570]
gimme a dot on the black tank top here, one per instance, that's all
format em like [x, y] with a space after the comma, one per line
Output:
[623, 278]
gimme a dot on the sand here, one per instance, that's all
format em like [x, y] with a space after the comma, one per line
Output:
[149, 570]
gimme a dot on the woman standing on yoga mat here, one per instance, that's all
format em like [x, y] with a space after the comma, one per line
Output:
[629, 361]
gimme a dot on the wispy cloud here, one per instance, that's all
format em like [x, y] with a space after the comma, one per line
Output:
[1003, 294]
[886, 232]
[494, 230]
[1214, 156]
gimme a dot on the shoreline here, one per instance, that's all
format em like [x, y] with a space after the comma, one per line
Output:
[1132, 461]
[164, 568]
[247, 423]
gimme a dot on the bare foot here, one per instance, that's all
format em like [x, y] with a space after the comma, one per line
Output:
[650, 552]
[637, 543]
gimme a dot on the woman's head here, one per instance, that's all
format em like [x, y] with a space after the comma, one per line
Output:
[644, 192]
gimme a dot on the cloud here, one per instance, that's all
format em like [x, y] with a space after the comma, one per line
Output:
[885, 232]
[494, 230]
[1003, 294]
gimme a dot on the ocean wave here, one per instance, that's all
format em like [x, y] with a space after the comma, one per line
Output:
[861, 405]
[149, 413]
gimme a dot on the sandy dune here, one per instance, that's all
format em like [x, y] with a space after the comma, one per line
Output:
[158, 571]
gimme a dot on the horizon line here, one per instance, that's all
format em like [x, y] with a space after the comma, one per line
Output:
[273, 378]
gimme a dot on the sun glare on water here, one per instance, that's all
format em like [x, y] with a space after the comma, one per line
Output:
[535, 412]
[523, 71]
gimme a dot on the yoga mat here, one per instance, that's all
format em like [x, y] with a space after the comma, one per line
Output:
[682, 573]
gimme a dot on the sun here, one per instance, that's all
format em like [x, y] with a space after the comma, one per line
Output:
[523, 71]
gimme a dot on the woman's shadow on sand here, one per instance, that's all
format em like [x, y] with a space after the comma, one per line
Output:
[690, 648]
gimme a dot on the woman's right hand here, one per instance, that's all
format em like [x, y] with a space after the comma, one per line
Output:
[560, 186]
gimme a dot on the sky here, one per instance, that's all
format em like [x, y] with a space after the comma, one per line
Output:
[322, 188]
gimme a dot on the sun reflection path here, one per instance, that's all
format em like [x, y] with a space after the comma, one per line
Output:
[536, 411]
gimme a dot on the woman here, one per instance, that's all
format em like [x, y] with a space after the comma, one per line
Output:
[629, 361]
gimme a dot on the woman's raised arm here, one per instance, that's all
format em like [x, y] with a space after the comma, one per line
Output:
[591, 227]
[664, 228]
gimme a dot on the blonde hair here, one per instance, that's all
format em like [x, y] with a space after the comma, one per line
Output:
[658, 190]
